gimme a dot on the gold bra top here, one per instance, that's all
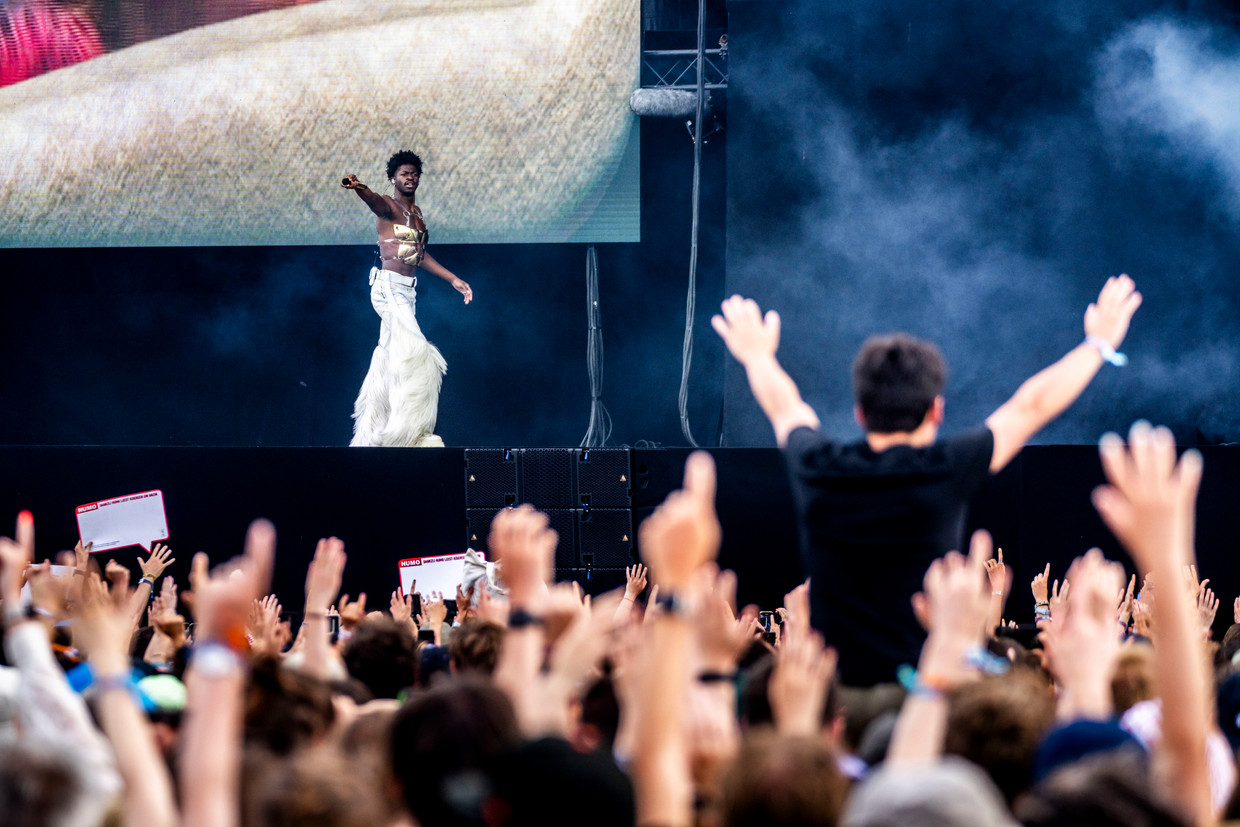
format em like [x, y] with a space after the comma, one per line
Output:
[410, 244]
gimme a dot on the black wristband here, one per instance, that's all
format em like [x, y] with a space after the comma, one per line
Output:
[673, 604]
[718, 677]
[520, 618]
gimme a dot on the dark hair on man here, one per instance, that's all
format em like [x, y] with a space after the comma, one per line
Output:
[775, 779]
[285, 710]
[474, 646]
[896, 379]
[402, 157]
[998, 723]
[1111, 789]
[382, 655]
[442, 745]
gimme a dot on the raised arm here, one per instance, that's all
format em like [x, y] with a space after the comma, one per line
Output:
[753, 339]
[377, 203]
[1050, 391]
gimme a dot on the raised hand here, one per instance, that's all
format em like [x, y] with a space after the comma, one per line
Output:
[1149, 502]
[1126, 599]
[118, 576]
[997, 573]
[1084, 645]
[154, 565]
[796, 607]
[350, 182]
[324, 575]
[1040, 585]
[400, 606]
[1059, 598]
[957, 604]
[81, 556]
[1108, 317]
[15, 555]
[352, 614]
[522, 542]
[635, 581]
[747, 333]
[721, 636]
[683, 533]
[222, 598]
[799, 682]
[1207, 608]
[265, 625]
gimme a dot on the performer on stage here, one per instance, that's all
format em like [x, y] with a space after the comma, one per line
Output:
[399, 400]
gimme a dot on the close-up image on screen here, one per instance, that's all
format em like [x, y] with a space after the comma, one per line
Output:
[231, 122]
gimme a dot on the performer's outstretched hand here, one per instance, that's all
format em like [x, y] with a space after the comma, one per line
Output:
[463, 289]
[350, 182]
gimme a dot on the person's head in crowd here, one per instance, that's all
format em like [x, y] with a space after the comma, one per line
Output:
[383, 656]
[870, 712]
[756, 706]
[318, 788]
[285, 710]
[1230, 645]
[898, 384]
[600, 717]
[546, 781]
[443, 743]
[45, 787]
[997, 723]
[779, 780]
[947, 793]
[1108, 789]
[167, 697]
[1133, 679]
[474, 647]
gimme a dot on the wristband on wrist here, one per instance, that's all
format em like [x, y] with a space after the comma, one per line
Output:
[521, 619]
[922, 684]
[674, 603]
[147, 579]
[103, 684]
[216, 660]
[1109, 354]
[718, 677]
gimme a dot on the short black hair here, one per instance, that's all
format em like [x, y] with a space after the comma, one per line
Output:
[896, 379]
[402, 157]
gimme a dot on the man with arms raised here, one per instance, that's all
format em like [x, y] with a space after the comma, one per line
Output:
[896, 500]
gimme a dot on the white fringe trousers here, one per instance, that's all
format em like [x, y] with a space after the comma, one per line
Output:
[399, 400]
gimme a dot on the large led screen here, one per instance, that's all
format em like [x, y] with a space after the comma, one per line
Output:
[232, 122]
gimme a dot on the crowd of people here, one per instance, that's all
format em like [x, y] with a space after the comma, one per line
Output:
[664, 704]
[524, 702]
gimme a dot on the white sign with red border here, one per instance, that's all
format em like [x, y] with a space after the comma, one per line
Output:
[132, 520]
[433, 573]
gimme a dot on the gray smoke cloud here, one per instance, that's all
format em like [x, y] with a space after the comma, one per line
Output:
[972, 175]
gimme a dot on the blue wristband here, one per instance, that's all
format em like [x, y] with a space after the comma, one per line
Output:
[1109, 353]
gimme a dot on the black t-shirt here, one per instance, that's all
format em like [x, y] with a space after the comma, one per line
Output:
[870, 524]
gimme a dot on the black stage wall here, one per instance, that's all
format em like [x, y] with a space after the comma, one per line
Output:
[389, 504]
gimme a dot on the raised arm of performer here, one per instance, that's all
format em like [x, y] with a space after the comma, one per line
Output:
[379, 205]
[753, 339]
[1049, 392]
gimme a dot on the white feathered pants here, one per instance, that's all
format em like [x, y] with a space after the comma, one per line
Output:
[399, 399]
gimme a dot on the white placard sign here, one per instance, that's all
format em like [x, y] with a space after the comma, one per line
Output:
[433, 573]
[132, 520]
